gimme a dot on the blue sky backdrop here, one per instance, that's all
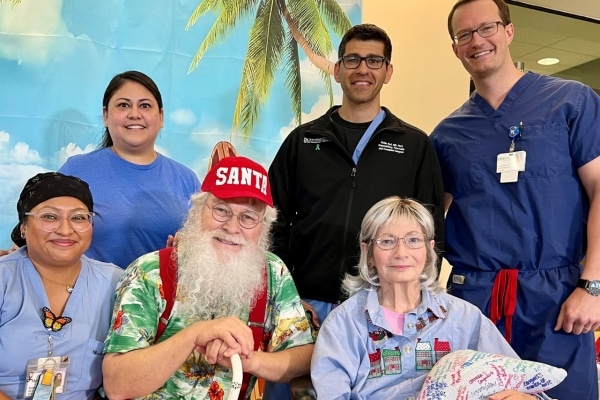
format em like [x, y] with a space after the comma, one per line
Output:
[57, 56]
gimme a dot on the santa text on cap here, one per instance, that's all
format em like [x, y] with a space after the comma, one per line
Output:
[241, 176]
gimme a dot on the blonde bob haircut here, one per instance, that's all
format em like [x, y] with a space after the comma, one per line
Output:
[378, 216]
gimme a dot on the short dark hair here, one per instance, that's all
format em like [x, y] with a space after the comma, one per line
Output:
[115, 84]
[364, 32]
[503, 12]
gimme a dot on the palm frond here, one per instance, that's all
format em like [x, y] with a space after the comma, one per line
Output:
[266, 46]
[328, 87]
[223, 25]
[234, 9]
[216, 33]
[335, 16]
[262, 59]
[200, 10]
[247, 105]
[308, 20]
[292, 77]
[13, 3]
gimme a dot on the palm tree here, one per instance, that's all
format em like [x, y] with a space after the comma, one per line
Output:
[13, 3]
[278, 29]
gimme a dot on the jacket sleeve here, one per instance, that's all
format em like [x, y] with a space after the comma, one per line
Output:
[430, 189]
[282, 176]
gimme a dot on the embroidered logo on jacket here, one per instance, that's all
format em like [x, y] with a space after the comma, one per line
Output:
[316, 140]
[393, 147]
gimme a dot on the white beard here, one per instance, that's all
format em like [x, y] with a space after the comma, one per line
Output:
[214, 284]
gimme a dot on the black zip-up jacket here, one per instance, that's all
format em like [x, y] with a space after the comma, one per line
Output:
[322, 196]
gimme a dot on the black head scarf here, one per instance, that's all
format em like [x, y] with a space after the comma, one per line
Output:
[45, 186]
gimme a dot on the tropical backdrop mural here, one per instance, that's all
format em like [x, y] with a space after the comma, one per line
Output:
[246, 71]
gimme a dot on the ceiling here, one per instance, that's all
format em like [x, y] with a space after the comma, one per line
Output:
[572, 35]
[581, 8]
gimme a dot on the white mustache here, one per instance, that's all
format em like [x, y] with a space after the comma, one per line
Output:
[230, 238]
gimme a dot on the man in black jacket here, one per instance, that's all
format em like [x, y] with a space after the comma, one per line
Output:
[330, 171]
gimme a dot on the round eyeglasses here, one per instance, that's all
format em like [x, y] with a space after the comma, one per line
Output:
[50, 222]
[484, 31]
[412, 240]
[353, 62]
[222, 212]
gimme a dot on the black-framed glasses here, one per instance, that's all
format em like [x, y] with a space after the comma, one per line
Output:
[353, 62]
[485, 30]
[50, 221]
[412, 240]
[222, 212]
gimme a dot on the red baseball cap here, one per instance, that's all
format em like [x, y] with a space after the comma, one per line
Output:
[238, 177]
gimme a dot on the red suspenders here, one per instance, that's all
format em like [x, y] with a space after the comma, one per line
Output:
[168, 274]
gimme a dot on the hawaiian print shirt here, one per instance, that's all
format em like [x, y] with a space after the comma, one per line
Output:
[140, 302]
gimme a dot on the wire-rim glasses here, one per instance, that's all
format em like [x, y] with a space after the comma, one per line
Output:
[353, 61]
[485, 30]
[222, 212]
[50, 221]
[412, 240]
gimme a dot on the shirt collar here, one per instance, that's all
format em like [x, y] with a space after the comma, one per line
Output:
[429, 302]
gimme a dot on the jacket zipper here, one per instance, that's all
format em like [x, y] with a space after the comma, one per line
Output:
[346, 223]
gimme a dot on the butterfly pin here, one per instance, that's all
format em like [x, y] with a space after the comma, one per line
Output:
[52, 322]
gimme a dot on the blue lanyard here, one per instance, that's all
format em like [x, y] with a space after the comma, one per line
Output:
[367, 135]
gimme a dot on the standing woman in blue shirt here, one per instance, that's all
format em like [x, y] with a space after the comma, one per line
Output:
[141, 196]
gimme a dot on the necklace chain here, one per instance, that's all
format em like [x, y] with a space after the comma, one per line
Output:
[68, 287]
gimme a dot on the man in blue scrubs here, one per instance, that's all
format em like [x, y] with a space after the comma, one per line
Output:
[522, 181]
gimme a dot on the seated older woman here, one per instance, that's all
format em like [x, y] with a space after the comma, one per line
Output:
[368, 347]
[55, 303]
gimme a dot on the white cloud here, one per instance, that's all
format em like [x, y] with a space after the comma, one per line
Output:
[20, 153]
[72, 149]
[183, 116]
[318, 109]
[4, 138]
[30, 31]
[14, 176]
[23, 154]
[12, 180]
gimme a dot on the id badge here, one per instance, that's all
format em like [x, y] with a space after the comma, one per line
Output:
[46, 375]
[509, 164]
